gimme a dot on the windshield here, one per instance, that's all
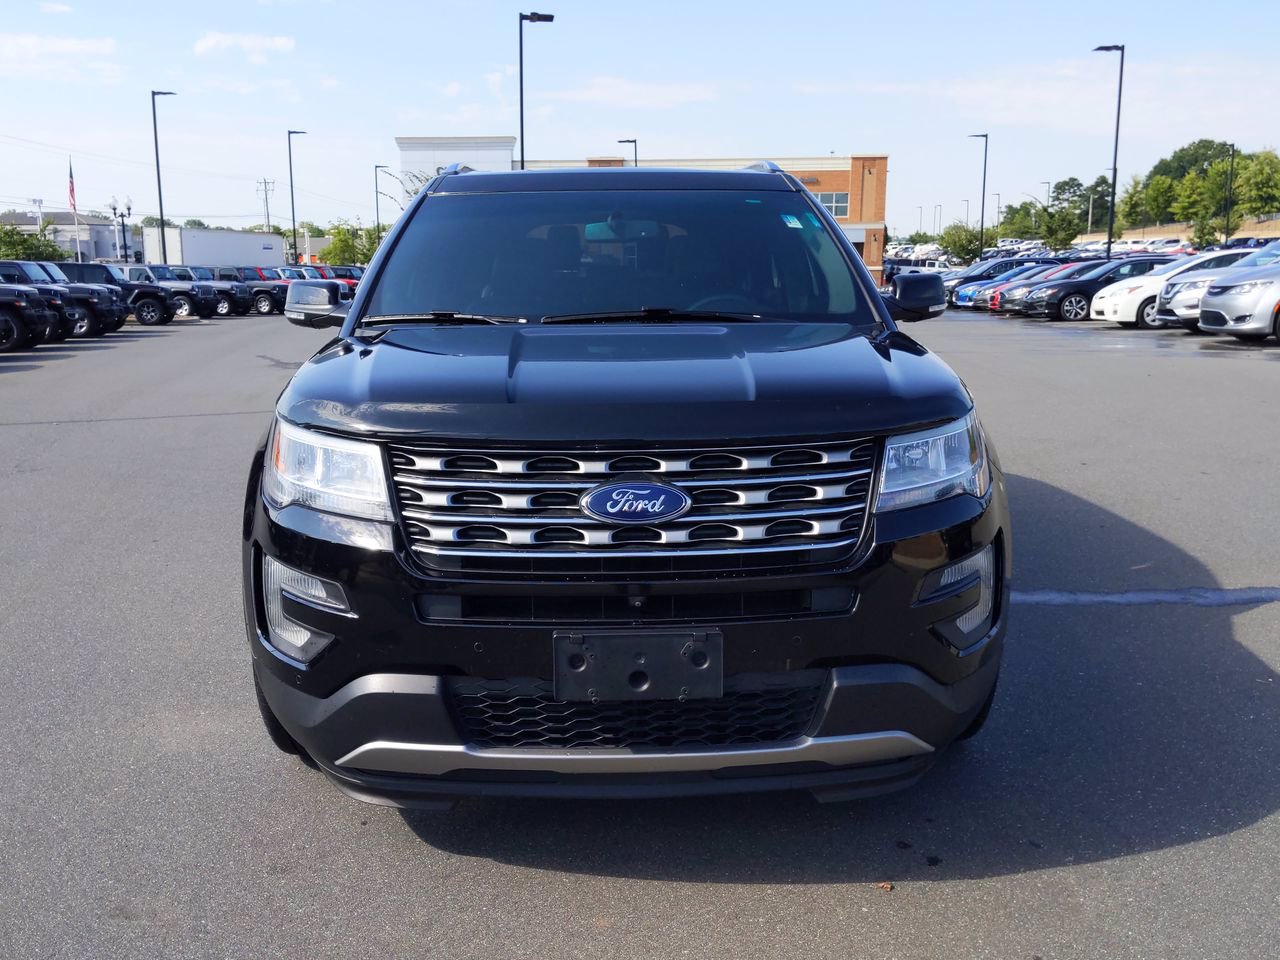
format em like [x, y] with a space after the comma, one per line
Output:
[32, 273]
[1261, 257]
[162, 273]
[115, 271]
[53, 271]
[201, 273]
[552, 253]
[1171, 266]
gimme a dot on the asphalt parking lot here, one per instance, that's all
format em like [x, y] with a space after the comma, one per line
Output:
[1121, 803]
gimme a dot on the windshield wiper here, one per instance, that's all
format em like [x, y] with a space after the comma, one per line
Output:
[654, 315]
[437, 316]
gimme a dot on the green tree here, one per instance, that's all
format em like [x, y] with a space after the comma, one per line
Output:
[1187, 199]
[194, 224]
[15, 244]
[1131, 204]
[275, 228]
[306, 226]
[920, 237]
[1059, 225]
[1020, 221]
[1257, 186]
[1196, 156]
[344, 244]
[1097, 201]
[150, 221]
[1158, 197]
[961, 241]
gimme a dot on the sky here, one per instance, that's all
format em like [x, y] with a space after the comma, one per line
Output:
[696, 78]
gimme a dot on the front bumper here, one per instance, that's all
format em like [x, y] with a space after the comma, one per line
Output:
[374, 709]
[1039, 308]
[1252, 313]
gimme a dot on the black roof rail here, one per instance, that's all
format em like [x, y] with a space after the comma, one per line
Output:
[764, 166]
[456, 168]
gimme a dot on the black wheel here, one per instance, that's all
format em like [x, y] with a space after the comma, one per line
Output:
[1276, 327]
[149, 312]
[182, 306]
[275, 729]
[13, 332]
[979, 721]
[224, 308]
[57, 331]
[263, 304]
[1074, 307]
[1146, 315]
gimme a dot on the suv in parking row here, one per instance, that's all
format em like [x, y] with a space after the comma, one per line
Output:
[149, 303]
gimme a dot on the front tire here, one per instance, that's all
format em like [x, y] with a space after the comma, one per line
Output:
[149, 312]
[12, 332]
[87, 326]
[182, 306]
[1073, 307]
[263, 304]
[224, 308]
[1146, 315]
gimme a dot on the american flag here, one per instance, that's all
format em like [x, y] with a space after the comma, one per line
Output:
[71, 186]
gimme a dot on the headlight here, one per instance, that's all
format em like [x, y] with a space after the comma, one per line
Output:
[1041, 293]
[1192, 285]
[934, 465]
[1253, 286]
[1015, 292]
[325, 473]
[95, 294]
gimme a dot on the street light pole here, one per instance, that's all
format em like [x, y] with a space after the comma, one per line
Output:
[937, 216]
[377, 211]
[1046, 192]
[966, 213]
[155, 136]
[1115, 150]
[982, 214]
[531, 18]
[997, 196]
[293, 210]
[635, 151]
[920, 228]
[1231, 174]
[122, 216]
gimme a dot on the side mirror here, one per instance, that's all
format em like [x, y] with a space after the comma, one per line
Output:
[316, 303]
[916, 296]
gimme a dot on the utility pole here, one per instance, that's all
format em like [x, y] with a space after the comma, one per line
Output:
[1231, 174]
[266, 187]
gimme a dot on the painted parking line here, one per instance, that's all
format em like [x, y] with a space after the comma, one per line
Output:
[1189, 596]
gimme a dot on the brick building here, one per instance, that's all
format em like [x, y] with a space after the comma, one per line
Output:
[852, 188]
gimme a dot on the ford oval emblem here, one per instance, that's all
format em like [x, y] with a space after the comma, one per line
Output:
[635, 501]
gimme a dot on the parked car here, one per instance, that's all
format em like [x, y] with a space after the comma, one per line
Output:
[150, 303]
[294, 273]
[992, 298]
[612, 530]
[345, 274]
[1132, 300]
[966, 294]
[25, 319]
[234, 296]
[984, 270]
[92, 305]
[1243, 303]
[1069, 299]
[1011, 297]
[109, 307]
[51, 315]
[268, 294]
[1178, 303]
[189, 297]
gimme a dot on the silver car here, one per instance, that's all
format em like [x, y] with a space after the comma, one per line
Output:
[1243, 303]
[1179, 301]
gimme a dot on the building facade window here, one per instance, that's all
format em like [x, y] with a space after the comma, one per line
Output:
[837, 203]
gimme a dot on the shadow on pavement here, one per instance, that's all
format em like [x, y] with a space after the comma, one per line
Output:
[20, 360]
[1118, 730]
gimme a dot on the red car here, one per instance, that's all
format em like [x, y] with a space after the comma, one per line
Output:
[348, 275]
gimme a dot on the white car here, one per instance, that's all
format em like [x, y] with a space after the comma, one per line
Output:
[1133, 300]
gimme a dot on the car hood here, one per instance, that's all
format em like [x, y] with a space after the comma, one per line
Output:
[1145, 282]
[1270, 272]
[81, 289]
[625, 383]
[1192, 276]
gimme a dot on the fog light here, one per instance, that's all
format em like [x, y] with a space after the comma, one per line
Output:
[982, 565]
[294, 639]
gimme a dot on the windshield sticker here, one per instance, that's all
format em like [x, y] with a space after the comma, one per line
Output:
[813, 218]
[792, 221]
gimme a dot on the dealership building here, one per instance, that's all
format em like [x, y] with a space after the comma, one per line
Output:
[851, 187]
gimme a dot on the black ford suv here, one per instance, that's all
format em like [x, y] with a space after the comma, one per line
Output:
[148, 302]
[95, 308]
[189, 297]
[622, 483]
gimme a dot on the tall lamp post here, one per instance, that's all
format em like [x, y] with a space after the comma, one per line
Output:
[966, 213]
[1115, 150]
[293, 210]
[529, 18]
[123, 215]
[155, 136]
[920, 208]
[377, 212]
[982, 205]
[1046, 192]
[937, 216]
[997, 196]
[1231, 175]
[635, 151]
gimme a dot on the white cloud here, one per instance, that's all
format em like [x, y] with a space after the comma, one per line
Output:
[621, 92]
[230, 85]
[255, 46]
[327, 81]
[55, 8]
[64, 58]
[451, 89]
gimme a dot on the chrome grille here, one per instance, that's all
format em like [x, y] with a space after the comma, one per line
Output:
[486, 502]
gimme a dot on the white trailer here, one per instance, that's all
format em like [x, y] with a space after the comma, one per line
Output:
[238, 248]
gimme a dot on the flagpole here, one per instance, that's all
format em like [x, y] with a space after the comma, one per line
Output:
[75, 213]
